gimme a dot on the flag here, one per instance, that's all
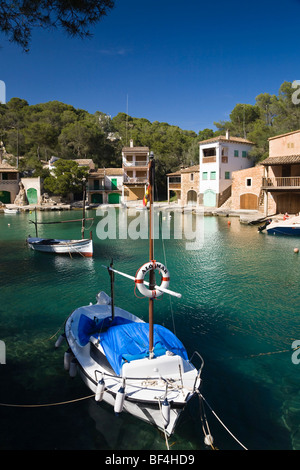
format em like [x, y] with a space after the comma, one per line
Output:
[146, 197]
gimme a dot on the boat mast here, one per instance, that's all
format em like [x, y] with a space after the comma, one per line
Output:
[83, 207]
[151, 168]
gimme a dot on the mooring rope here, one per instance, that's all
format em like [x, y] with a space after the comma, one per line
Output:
[46, 404]
[216, 416]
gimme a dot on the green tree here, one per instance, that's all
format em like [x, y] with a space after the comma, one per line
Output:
[67, 178]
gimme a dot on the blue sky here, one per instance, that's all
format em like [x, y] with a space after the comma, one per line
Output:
[185, 63]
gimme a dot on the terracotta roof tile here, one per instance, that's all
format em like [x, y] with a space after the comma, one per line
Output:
[283, 160]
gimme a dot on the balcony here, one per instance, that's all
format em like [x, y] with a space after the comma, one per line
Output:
[174, 186]
[136, 163]
[107, 187]
[282, 182]
[212, 159]
[135, 180]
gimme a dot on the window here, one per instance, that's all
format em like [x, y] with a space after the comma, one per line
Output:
[236, 153]
[212, 175]
[204, 175]
[227, 175]
[192, 177]
[249, 182]
[244, 153]
[210, 152]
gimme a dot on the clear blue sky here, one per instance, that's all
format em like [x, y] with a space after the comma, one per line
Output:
[187, 63]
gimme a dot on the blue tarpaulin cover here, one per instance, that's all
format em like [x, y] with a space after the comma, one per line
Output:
[125, 340]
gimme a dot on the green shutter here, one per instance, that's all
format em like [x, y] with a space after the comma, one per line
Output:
[212, 175]
[236, 153]
[204, 175]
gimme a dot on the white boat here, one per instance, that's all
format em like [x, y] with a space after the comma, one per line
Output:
[11, 211]
[136, 366]
[286, 226]
[83, 247]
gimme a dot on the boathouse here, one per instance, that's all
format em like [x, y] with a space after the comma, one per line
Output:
[185, 184]
[105, 186]
[273, 186]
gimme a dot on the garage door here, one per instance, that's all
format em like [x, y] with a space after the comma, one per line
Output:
[114, 198]
[97, 198]
[5, 197]
[249, 201]
[32, 196]
[209, 198]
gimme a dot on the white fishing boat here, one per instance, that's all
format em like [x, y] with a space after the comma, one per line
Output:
[83, 246]
[11, 211]
[136, 366]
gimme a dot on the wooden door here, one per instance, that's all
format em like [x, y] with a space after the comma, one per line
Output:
[249, 201]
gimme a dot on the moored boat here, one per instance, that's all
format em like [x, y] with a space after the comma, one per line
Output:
[11, 211]
[83, 246]
[59, 246]
[286, 226]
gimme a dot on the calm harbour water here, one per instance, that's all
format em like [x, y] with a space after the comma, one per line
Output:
[239, 308]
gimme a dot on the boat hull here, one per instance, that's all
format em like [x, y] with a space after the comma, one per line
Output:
[83, 247]
[284, 230]
[147, 412]
[11, 211]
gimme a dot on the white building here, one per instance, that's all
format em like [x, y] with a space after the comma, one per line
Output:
[218, 158]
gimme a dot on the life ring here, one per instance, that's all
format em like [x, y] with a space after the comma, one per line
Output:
[140, 275]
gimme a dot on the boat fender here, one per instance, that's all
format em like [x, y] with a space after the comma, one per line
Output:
[208, 440]
[59, 341]
[119, 402]
[100, 390]
[67, 359]
[73, 368]
[140, 275]
[165, 409]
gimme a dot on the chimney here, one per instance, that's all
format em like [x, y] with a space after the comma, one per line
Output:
[131, 143]
[228, 134]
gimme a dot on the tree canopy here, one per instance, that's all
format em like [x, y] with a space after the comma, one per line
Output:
[75, 17]
[67, 178]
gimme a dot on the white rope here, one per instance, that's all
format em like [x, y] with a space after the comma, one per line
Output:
[222, 423]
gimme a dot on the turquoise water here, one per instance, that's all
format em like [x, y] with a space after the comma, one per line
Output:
[239, 308]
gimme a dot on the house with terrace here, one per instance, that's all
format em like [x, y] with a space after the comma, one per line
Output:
[218, 158]
[135, 161]
[273, 186]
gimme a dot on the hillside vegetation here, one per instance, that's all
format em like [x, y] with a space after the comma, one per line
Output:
[36, 132]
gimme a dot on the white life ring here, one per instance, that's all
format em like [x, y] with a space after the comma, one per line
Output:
[140, 275]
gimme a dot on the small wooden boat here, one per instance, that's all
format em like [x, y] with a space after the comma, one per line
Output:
[83, 247]
[11, 211]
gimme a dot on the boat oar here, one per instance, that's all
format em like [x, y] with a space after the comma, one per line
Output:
[162, 289]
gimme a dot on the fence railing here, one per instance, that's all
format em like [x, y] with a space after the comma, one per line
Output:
[282, 182]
